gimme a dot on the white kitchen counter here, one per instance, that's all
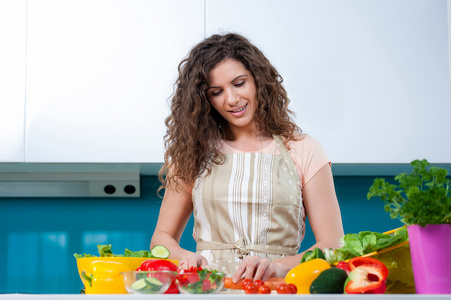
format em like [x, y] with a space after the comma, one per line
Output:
[235, 296]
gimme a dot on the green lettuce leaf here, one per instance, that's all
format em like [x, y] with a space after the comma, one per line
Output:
[353, 244]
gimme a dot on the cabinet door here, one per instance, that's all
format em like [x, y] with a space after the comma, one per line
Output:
[368, 79]
[99, 74]
[12, 79]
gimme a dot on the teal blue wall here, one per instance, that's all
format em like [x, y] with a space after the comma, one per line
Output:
[39, 236]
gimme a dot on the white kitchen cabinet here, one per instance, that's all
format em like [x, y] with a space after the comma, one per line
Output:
[99, 74]
[12, 79]
[369, 79]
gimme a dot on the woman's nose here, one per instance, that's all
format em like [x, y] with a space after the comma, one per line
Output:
[232, 97]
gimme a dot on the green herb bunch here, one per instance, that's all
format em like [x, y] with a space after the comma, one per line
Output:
[105, 251]
[421, 197]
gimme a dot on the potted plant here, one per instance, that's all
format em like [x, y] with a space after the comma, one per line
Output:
[422, 201]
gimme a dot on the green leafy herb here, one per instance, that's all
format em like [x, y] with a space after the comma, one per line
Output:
[364, 242]
[141, 253]
[421, 197]
[105, 251]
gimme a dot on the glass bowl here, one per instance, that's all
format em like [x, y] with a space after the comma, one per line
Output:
[200, 282]
[147, 282]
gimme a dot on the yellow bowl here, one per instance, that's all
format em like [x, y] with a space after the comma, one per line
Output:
[398, 262]
[101, 275]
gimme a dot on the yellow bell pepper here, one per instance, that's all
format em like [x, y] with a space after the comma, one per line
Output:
[103, 277]
[305, 273]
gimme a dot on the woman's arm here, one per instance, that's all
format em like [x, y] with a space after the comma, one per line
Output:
[325, 220]
[323, 210]
[174, 215]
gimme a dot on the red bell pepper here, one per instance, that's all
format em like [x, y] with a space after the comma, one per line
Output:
[367, 276]
[344, 266]
[161, 265]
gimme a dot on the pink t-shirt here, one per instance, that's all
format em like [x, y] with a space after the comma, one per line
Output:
[308, 155]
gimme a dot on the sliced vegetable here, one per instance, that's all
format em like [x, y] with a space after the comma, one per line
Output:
[303, 274]
[153, 284]
[147, 285]
[159, 251]
[199, 281]
[344, 266]
[367, 276]
[139, 284]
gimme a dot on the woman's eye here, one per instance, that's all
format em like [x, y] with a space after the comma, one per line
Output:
[239, 83]
[215, 93]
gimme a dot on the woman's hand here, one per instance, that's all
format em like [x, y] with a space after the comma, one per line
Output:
[192, 260]
[258, 268]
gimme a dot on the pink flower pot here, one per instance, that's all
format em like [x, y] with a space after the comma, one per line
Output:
[430, 249]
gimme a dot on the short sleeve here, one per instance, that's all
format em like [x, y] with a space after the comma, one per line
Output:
[308, 156]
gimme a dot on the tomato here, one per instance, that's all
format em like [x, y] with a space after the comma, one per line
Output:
[263, 289]
[161, 265]
[206, 285]
[193, 277]
[283, 289]
[247, 281]
[250, 288]
[183, 279]
[293, 288]
[258, 283]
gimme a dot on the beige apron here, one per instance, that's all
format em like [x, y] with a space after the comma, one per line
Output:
[250, 205]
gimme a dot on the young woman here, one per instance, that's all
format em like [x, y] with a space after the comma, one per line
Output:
[237, 161]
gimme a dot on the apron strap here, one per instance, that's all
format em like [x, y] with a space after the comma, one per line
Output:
[243, 250]
[282, 148]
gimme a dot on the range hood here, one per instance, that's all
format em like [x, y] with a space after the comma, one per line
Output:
[69, 180]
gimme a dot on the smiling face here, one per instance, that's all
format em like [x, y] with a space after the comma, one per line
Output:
[233, 93]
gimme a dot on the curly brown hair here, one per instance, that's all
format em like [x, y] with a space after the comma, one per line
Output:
[194, 128]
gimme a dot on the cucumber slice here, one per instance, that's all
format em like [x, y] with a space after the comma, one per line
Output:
[154, 282]
[159, 251]
[153, 285]
[139, 284]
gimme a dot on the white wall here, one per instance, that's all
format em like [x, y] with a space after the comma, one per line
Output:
[369, 79]
[12, 79]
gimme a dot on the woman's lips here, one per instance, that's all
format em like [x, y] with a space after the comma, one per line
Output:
[238, 112]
